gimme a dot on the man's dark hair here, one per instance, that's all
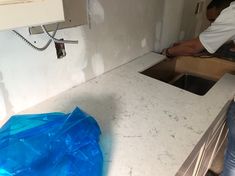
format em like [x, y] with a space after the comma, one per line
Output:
[219, 4]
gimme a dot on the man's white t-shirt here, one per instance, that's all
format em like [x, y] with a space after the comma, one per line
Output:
[221, 31]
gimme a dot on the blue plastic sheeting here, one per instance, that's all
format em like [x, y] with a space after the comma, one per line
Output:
[53, 144]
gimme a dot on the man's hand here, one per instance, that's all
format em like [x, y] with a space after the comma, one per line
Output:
[166, 53]
[177, 43]
[185, 48]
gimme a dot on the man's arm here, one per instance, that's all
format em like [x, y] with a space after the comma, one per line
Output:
[186, 48]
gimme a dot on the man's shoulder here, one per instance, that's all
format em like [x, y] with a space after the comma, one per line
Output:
[227, 15]
[229, 10]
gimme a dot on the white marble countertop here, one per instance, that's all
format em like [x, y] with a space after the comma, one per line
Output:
[148, 127]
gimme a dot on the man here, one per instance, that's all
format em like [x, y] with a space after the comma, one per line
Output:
[221, 31]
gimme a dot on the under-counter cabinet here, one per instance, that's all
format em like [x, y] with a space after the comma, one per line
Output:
[202, 156]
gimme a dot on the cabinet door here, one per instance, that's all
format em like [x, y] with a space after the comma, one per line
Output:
[211, 150]
[205, 151]
[190, 166]
[193, 169]
[19, 13]
[217, 134]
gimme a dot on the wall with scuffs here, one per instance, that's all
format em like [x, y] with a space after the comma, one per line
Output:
[192, 23]
[171, 23]
[180, 22]
[205, 23]
[120, 30]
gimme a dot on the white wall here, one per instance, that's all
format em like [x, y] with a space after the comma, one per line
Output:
[189, 19]
[121, 30]
[180, 22]
[192, 24]
[173, 12]
[204, 22]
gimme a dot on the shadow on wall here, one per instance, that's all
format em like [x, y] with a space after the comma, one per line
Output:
[101, 106]
[93, 35]
[6, 107]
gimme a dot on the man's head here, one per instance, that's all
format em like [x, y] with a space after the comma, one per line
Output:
[215, 7]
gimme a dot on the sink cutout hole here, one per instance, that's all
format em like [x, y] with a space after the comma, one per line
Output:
[165, 71]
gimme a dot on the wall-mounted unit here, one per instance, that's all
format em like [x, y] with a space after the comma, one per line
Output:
[75, 12]
[20, 13]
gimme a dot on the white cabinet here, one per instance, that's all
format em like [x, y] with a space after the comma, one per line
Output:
[19, 13]
[200, 159]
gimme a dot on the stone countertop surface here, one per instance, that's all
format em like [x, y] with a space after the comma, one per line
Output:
[148, 127]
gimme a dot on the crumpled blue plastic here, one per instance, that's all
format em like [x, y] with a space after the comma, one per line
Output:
[53, 144]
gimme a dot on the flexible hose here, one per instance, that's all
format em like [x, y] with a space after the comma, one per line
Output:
[32, 45]
[57, 40]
